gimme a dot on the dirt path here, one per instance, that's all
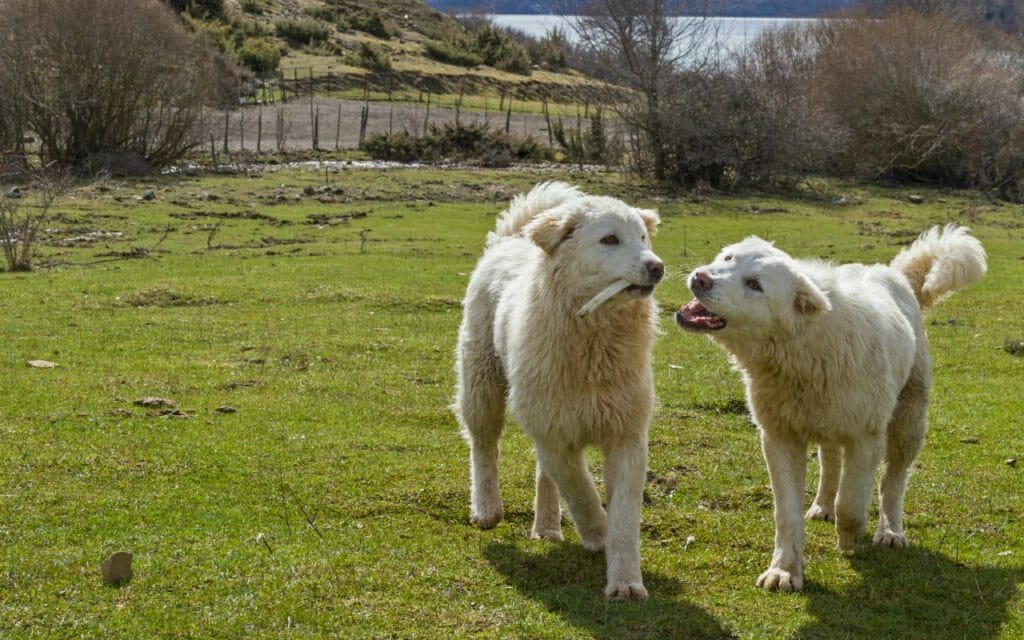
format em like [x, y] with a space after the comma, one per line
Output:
[290, 126]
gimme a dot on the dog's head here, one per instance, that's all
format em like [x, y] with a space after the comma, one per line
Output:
[752, 289]
[592, 241]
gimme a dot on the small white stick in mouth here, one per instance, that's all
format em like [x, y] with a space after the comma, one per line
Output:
[603, 295]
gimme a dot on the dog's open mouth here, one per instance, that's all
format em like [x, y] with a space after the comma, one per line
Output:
[696, 317]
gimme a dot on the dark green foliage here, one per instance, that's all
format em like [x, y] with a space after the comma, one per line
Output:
[452, 53]
[259, 55]
[476, 143]
[300, 32]
[199, 8]
[373, 25]
[255, 7]
[584, 143]
[489, 46]
[373, 58]
[501, 52]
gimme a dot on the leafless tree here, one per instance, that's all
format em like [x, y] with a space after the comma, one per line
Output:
[100, 77]
[648, 46]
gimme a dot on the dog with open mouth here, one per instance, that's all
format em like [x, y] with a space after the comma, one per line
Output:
[833, 355]
[558, 325]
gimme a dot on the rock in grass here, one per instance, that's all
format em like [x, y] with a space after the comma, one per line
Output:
[117, 569]
[156, 403]
[42, 364]
[1011, 462]
[226, 409]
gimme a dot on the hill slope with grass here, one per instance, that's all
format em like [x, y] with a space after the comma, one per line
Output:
[384, 45]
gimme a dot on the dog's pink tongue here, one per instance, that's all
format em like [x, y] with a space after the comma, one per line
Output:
[695, 315]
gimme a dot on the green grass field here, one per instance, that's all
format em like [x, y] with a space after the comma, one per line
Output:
[333, 501]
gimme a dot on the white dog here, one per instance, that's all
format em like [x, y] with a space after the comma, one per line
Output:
[835, 355]
[570, 377]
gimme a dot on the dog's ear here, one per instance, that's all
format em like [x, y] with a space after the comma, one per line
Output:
[651, 220]
[551, 228]
[809, 300]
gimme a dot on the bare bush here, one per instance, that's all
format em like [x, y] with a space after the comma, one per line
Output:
[923, 98]
[22, 216]
[91, 77]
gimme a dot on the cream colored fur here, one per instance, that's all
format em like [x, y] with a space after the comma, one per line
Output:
[568, 381]
[834, 355]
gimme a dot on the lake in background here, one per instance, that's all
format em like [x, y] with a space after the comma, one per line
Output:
[733, 34]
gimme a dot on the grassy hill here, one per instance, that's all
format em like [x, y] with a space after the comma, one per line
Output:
[351, 46]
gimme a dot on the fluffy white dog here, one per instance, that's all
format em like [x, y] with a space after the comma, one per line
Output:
[571, 377]
[835, 355]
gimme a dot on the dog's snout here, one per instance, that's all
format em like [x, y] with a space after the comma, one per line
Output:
[655, 270]
[701, 281]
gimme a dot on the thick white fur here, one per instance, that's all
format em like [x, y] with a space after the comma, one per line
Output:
[568, 381]
[835, 355]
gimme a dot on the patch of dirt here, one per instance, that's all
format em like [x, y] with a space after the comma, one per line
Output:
[166, 296]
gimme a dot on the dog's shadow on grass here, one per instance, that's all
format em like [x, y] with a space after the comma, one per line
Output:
[915, 593]
[570, 581]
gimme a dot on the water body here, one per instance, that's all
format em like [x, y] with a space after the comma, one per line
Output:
[731, 34]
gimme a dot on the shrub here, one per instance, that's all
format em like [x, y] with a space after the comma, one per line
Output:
[373, 25]
[453, 54]
[476, 143]
[254, 7]
[199, 8]
[327, 14]
[301, 32]
[259, 55]
[373, 58]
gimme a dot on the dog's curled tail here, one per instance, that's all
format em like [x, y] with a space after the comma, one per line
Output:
[527, 206]
[941, 260]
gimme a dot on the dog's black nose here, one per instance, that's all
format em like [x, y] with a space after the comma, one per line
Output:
[701, 281]
[655, 270]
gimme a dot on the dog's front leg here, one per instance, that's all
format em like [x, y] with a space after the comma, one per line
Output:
[787, 466]
[625, 473]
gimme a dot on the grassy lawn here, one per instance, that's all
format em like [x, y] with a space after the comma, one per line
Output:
[333, 500]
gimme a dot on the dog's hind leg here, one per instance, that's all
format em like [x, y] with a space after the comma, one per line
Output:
[568, 468]
[547, 513]
[860, 460]
[480, 408]
[830, 461]
[906, 435]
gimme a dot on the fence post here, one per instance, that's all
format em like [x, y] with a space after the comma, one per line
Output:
[259, 131]
[426, 118]
[337, 130]
[316, 130]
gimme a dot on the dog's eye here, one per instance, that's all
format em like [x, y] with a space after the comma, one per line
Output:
[728, 257]
[610, 239]
[754, 285]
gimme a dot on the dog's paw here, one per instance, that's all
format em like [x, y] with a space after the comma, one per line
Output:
[818, 512]
[633, 590]
[890, 538]
[487, 519]
[780, 580]
[546, 534]
[593, 543]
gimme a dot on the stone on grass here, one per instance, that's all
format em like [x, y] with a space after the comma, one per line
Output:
[156, 402]
[117, 569]
[42, 364]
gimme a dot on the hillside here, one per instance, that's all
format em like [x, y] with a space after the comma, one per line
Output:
[748, 8]
[378, 46]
